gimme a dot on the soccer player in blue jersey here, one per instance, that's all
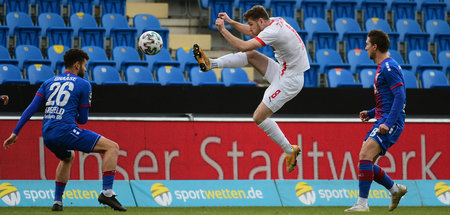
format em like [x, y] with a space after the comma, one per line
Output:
[67, 98]
[390, 98]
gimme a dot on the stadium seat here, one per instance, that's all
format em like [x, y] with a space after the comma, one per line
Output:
[10, 74]
[97, 57]
[77, 6]
[21, 27]
[200, 78]
[434, 79]
[27, 55]
[116, 26]
[410, 79]
[312, 9]
[112, 6]
[54, 28]
[106, 75]
[17, 6]
[373, 9]
[125, 56]
[217, 6]
[163, 58]
[359, 60]
[185, 56]
[294, 24]
[338, 77]
[244, 5]
[342, 8]
[283, 8]
[38, 73]
[411, 34]
[235, 77]
[350, 34]
[5, 58]
[49, 6]
[148, 22]
[439, 34]
[444, 60]
[398, 57]
[320, 35]
[311, 76]
[55, 54]
[4, 32]
[168, 75]
[328, 59]
[367, 77]
[431, 9]
[377, 23]
[422, 60]
[402, 9]
[85, 28]
[139, 75]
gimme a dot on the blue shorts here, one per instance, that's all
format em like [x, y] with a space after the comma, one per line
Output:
[61, 141]
[388, 139]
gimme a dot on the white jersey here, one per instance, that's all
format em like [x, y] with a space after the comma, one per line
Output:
[288, 47]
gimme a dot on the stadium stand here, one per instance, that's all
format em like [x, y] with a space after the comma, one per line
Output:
[282, 8]
[434, 79]
[311, 76]
[28, 54]
[244, 5]
[235, 77]
[367, 77]
[55, 54]
[5, 58]
[200, 78]
[17, 6]
[439, 34]
[117, 30]
[319, 35]
[411, 35]
[139, 75]
[169, 75]
[4, 32]
[311, 9]
[126, 56]
[399, 58]
[38, 73]
[377, 23]
[430, 9]
[85, 29]
[328, 59]
[54, 30]
[373, 9]
[185, 56]
[106, 75]
[338, 77]
[422, 60]
[111, 6]
[10, 74]
[163, 58]
[444, 60]
[77, 6]
[342, 9]
[49, 6]
[217, 6]
[350, 34]
[359, 60]
[22, 29]
[401, 9]
[97, 57]
[410, 79]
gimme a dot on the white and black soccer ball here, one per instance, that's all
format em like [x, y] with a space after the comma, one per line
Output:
[150, 43]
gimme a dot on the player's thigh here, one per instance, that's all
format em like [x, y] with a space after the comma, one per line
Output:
[258, 60]
[369, 150]
[282, 91]
[104, 144]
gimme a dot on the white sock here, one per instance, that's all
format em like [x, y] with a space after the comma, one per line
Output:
[362, 201]
[394, 188]
[236, 60]
[108, 192]
[274, 132]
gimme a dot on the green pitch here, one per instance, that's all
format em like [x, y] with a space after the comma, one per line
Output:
[226, 210]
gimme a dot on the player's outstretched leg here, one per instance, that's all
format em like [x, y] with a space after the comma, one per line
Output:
[291, 159]
[202, 59]
[111, 202]
[395, 197]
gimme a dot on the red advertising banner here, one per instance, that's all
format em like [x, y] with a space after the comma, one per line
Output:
[159, 150]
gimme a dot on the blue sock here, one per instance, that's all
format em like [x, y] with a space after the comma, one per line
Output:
[59, 190]
[365, 177]
[381, 177]
[108, 179]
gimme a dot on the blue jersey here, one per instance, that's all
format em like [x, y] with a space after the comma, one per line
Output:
[388, 77]
[63, 96]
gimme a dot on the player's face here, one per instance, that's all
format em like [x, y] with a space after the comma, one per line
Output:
[82, 68]
[370, 49]
[255, 26]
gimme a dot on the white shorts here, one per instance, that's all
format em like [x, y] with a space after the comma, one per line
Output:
[282, 88]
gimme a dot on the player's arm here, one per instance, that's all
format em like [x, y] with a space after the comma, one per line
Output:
[243, 28]
[236, 42]
[85, 104]
[398, 89]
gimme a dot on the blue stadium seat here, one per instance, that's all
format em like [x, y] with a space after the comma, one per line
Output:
[139, 75]
[5, 58]
[116, 26]
[4, 32]
[21, 26]
[185, 56]
[410, 79]
[235, 77]
[283, 8]
[112, 6]
[10, 74]
[338, 77]
[27, 55]
[294, 24]
[359, 60]
[85, 28]
[434, 79]
[38, 73]
[328, 59]
[77, 6]
[245, 5]
[217, 6]
[54, 28]
[432, 9]
[200, 78]
[311, 76]
[55, 54]
[106, 75]
[342, 8]
[373, 9]
[399, 58]
[320, 34]
[49, 6]
[313, 8]
[127, 56]
[444, 60]
[163, 58]
[350, 34]
[17, 6]
[377, 23]
[168, 75]
[422, 60]
[147, 22]
[97, 57]
[411, 33]
[402, 9]
[367, 76]
[439, 34]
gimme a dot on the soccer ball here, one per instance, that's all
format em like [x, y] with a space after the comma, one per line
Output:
[150, 43]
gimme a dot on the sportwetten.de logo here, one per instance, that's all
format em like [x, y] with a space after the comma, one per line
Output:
[305, 193]
[442, 191]
[9, 194]
[161, 194]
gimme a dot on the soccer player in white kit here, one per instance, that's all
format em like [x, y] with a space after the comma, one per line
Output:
[285, 76]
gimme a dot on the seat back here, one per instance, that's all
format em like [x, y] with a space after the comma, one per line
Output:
[27, 52]
[17, 19]
[38, 73]
[4, 54]
[113, 6]
[377, 23]
[9, 72]
[168, 74]
[338, 76]
[374, 8]
[124, 53]
[419, 57]
[219, 6]
[367, 77]
[4, 32]
[17, 6]
[136, 74]
[396, 56]
[357, 57]
[403, 9]
[293, 23]
[85, 6]
[407, 26]
[432, 9]
[328, 56]
[186, 58]
[410, 79]
[343, 8]
[46, 20]
[145, 21]
[85, 27]
[444, 60]
[231, 76]
[199, 77]
[437, 26]
[116, 26]
[433, 77]
[314, 8]
[283, 8]
[163, 55]
[49, 6]
[102, 74]
[55, 54]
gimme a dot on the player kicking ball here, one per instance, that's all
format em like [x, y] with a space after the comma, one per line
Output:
[285, 77]
[67, 100]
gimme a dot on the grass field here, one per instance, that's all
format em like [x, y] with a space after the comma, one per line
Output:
[226, 210]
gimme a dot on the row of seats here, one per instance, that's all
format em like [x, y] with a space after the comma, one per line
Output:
[83, 26]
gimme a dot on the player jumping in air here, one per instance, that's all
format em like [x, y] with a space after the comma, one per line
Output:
[285, 77]
[67, 99]
[390, 97]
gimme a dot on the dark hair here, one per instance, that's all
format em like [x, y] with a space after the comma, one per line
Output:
[74, 55]
[380, 38]
[255, 13]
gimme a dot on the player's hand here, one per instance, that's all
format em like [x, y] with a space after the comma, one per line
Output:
[364, 116]
[383, 129]
[11, 140]
[220, 24]
[225, 17]
[5, 99]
